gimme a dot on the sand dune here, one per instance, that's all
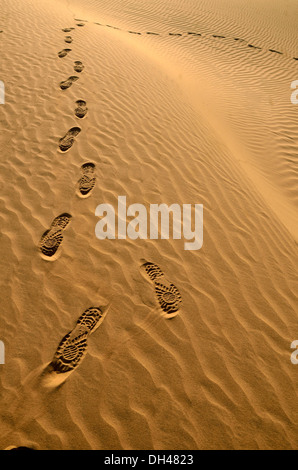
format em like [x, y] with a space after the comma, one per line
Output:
[186, 102]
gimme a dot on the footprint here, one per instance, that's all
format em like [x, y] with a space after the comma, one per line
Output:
[167, 294]
[87, 182]
[218, 37]
[114, 27]
[81, 109]
[73, 347]
[50, 242]
[175, 34]
[67, 30]
[78, 66]
[134, 32]
[68, 39]
[295, 58]
[154, 34]
[253, 47]
[276, 52]
[67, 83]
[81, 24]
[67, 141]
[195, 34]
[52, 238]
[63, 53]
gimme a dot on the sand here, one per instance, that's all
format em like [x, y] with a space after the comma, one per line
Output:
[198, 111]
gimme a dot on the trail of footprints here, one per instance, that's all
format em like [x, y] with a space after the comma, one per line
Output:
[196, 34]
[73, 346]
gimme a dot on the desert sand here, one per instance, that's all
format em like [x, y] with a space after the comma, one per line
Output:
[179, 101]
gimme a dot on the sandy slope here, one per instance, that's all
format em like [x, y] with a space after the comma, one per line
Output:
[173, 119]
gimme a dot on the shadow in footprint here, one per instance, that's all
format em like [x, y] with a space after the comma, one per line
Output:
[52, 238]
[153, 34]
[68, 39]
[134, 32]
[218, 37]
[63, 53]
[167, 294]
[81, 109]
[194, 34]
[67, 30]
[175, 34]
[67, 141]
[87, 182]
[67, 83]
[78, 66]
